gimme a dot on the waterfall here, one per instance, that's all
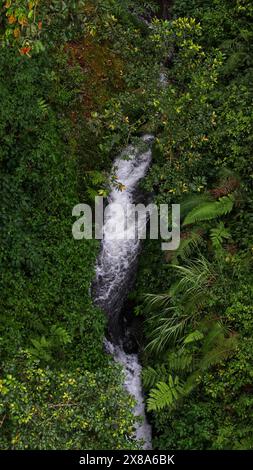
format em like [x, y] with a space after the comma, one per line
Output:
[116, 268]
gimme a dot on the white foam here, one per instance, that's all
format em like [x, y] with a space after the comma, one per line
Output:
[114, 266]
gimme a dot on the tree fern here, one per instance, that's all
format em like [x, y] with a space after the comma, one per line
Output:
[165, 394]
[168, 323]
[210, 210]
[216, 347]
[151, 376]
[214, 332]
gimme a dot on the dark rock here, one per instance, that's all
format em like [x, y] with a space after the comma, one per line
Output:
[129, 344]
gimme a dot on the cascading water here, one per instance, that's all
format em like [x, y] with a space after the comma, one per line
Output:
[116, 268]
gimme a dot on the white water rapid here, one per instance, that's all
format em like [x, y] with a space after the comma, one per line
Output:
[115, 271]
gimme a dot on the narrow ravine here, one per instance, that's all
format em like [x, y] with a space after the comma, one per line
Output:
[115, 272]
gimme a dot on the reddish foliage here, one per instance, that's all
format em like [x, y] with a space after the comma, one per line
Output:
[25, 50]
[102, 69]
[227, 188]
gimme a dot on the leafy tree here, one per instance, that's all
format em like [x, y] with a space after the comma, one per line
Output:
[43, 408]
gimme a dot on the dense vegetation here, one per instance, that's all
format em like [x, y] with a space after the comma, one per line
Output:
[78, 80]
[54, 155]
[199, 367]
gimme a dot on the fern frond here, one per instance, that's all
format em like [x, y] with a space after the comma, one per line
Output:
[219, 353]
[218, 235]
[43, 106]
[215, 333]
[191, 382]
[165, 394]
[151, 376]
[192, 201]
[60, 335]
[193, 337]
[180, 361]
[40, 349]
[210, 210]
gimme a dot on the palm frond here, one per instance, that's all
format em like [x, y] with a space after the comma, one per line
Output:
[156, 301]
[187, 246]
[167, 332]
[197, 276]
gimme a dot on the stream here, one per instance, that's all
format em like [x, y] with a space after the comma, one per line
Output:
[116, 269]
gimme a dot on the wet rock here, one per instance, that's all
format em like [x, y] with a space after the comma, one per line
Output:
[130, 345]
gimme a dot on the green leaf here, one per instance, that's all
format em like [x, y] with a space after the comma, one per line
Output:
[164, 395]
[193, 337]
[210, 210]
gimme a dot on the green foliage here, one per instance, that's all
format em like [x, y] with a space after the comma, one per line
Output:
[192, 201]
[43, 348]
[215, 348]
[43, 408]
[194, 336]
[164, 394]
[69, 104]
[218, 235]
[181, 360]
[46, 280]
[195, 278]
[188, 245]
[151, 376]
[166, 330]
[71, 100]
[199, 326]
[34, 25]
[209, 211]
